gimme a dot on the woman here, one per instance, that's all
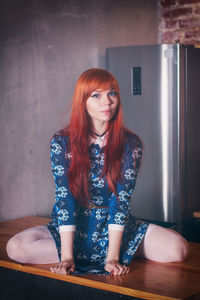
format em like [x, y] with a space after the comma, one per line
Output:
[95, 161]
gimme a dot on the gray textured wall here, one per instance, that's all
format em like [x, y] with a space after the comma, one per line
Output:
[44, 46]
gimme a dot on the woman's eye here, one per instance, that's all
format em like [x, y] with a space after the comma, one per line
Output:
[113, 94]
[95, 96]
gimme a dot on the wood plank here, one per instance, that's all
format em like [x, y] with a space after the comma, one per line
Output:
[147, 279]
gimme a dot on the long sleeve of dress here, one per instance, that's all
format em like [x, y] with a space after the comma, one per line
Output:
[119, 208]
[64, 210]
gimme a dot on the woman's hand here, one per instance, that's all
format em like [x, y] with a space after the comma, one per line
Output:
[65, 267]
[115, 268]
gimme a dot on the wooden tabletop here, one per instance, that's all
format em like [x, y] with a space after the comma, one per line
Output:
[147, 279]
[196, 214]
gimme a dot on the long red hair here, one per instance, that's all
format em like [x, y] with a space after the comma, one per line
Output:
[78, 132]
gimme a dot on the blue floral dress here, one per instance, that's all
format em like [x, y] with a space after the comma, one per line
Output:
[91, 224]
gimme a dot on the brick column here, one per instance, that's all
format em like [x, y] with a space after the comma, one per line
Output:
[180, 21]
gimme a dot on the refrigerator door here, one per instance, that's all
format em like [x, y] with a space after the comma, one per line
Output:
[192, 127]
[149, 80]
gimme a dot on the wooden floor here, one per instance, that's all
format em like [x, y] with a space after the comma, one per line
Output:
[147, 279]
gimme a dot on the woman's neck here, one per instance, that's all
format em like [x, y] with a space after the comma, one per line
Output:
[98, 128]
[99, 135]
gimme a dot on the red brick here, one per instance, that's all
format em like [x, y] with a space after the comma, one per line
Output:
[171, 36]
[167, 3]
[189, 23]
[190, 42]
[162, 24]
[171, 24]
[188, 1]
[177, 12]
[193, 34]
[197, 10]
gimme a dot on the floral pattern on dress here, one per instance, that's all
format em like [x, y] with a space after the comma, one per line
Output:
[98, 200]
[91, 236]
[59, 170]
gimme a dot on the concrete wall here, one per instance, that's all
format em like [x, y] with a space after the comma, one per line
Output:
[44, 46]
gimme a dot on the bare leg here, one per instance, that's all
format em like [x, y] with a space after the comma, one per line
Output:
[34, 245]
[163, 245]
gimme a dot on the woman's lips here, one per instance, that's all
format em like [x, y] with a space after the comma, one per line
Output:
[106, 111]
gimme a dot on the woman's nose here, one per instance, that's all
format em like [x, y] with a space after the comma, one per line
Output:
[106, 100]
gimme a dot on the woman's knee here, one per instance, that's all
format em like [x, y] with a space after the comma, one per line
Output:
[164, 245]
[179, 249]
[15, 249]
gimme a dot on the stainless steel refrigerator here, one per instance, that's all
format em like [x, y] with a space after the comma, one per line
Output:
[160, 92]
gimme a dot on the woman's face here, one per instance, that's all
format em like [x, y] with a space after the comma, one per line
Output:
[102, 105]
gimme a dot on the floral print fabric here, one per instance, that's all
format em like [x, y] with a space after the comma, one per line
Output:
[91, 237]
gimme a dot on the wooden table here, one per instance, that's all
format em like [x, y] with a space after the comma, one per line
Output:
[147, 279]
